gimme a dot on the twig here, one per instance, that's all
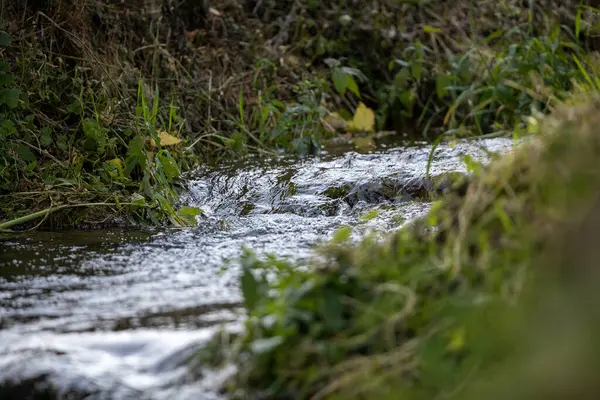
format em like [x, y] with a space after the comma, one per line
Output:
[149, 46]
[43, 219]
[44, 152]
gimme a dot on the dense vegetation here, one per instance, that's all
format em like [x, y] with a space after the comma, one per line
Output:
[89, 89]
[103, 105]
[430, 312]
[491, 294]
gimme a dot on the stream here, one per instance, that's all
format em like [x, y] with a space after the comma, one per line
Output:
[121, 314]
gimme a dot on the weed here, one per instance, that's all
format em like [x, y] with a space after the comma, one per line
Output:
[84, 116]
[67, 146]
[405, 316]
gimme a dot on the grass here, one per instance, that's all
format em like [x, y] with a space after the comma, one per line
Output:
[83, 104]
[66, 146]
[430, 312]
[62, 148]
[102, 107]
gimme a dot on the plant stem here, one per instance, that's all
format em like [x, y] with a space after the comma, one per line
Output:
[39, 214]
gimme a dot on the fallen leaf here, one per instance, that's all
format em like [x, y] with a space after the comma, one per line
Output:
[166, 139]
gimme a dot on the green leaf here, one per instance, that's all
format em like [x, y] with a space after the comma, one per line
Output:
[76, 107]
[94, 131]
[401, 79]
[250, 290]
[115, 167]
[136, 155]
[369, 215]
[189, 214]
[473, 166]
[46, 138]
[332, 310]
[61, 142]
[578, 22]
[354, 72]
[417, 71]
[7, 128]
[442, 83]
[494, 35]
[6, 79]
[5, 39]
[138, 199]
[4, 67]
[402, 63]
[339, 81]
[30, 167]
[352, 86]
[363, 120]
[168, 165]
[407, 99]
[332, 62]
[10, 97]
[342, 234]
[25, 153]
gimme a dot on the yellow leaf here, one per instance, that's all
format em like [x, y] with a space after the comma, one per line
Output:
[457, 339]
[431, 29]
[364, 120]
[166, 139]
[118, 164]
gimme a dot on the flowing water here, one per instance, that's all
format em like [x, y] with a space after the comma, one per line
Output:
[120, 314]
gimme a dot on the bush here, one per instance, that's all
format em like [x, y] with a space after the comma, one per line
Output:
[430, 310]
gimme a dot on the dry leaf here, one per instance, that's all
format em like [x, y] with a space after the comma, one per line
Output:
[166, 139]
[363, 121]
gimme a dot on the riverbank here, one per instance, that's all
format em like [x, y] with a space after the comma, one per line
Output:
[118, 313]
[494, 286]
[105, 106]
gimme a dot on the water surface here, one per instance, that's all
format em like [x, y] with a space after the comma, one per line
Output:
[120, 314]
